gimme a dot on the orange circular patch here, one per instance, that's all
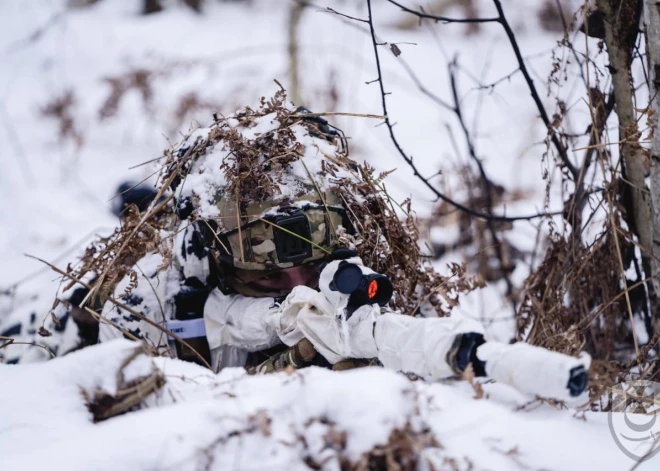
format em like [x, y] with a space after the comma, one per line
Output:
[372, 289]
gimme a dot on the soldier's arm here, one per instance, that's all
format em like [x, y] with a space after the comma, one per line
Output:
[433, 347]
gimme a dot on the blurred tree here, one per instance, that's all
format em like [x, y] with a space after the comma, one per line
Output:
[151, 6]
[295, 15]
[194, 4]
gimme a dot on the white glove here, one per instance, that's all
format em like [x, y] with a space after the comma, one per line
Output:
[333, 336]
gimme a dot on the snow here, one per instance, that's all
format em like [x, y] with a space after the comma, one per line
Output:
[232, 420]
[206, 178]
[54, 196]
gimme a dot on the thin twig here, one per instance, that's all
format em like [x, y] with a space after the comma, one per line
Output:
[444, 19]
[337, 113]
[126, 308]
[504, 266]
[12, 341]
[409, 159]
[346, 16]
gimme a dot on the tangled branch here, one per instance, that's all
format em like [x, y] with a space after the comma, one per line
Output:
[409, 159]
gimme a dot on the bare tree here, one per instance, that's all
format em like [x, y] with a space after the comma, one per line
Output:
[295, 15]
[593, 285]
[652, 23]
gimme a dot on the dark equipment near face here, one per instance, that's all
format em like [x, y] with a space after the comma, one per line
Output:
[292, 234]
[363, 289]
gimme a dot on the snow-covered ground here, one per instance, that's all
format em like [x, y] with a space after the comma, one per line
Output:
[54, 196]
[281, 421]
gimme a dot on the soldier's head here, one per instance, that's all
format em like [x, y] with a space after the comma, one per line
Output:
[265, 241]
[280, 243]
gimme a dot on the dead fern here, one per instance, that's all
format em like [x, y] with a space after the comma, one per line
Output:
[391, 245]
[61, 108]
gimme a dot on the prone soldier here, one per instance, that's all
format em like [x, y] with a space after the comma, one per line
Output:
[254, 262]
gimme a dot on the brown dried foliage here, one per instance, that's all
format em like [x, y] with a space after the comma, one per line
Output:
[138, 79]
[390, 245]
[61, 109]
[402, 452]
[256, 165]
[588, 278]
[129, 394]
[104, 256]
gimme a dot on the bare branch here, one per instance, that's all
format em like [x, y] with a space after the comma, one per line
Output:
[409, 159]
[444, 19]
[501, 19]
[346, 16]
[561, 149]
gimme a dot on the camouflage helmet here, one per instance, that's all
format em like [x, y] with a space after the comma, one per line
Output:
[294, 227]
[249, 180]
[279, 233]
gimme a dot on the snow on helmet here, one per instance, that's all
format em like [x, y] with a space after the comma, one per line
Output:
[263, 182]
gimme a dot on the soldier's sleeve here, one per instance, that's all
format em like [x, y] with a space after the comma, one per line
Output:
[238, 321]
[254, 324]
[191, 253]
[152, 298]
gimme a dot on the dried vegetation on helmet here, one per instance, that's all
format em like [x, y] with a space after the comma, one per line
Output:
[107, 260]
[258, 166]
[263, 154]
[387, 239]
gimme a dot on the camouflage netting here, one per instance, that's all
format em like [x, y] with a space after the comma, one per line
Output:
[274, 155]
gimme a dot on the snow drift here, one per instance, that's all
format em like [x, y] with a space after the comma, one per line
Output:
[311, 418]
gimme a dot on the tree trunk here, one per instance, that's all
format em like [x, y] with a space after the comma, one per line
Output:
[194, 4]
[652, 22]
[295, 15]
[151, 6]
[621, 24]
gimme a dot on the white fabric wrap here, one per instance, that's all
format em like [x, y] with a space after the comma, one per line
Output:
[400, 342]
[253, 324]
[420, 345]
[236, 325]
[530, 369]
[336, 338]
[323, 321]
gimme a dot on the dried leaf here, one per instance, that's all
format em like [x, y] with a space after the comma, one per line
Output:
[55, 320]
[44, 332]
[468, 375]
[261, 421]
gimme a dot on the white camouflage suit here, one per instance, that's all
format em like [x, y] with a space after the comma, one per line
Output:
[236, 325]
